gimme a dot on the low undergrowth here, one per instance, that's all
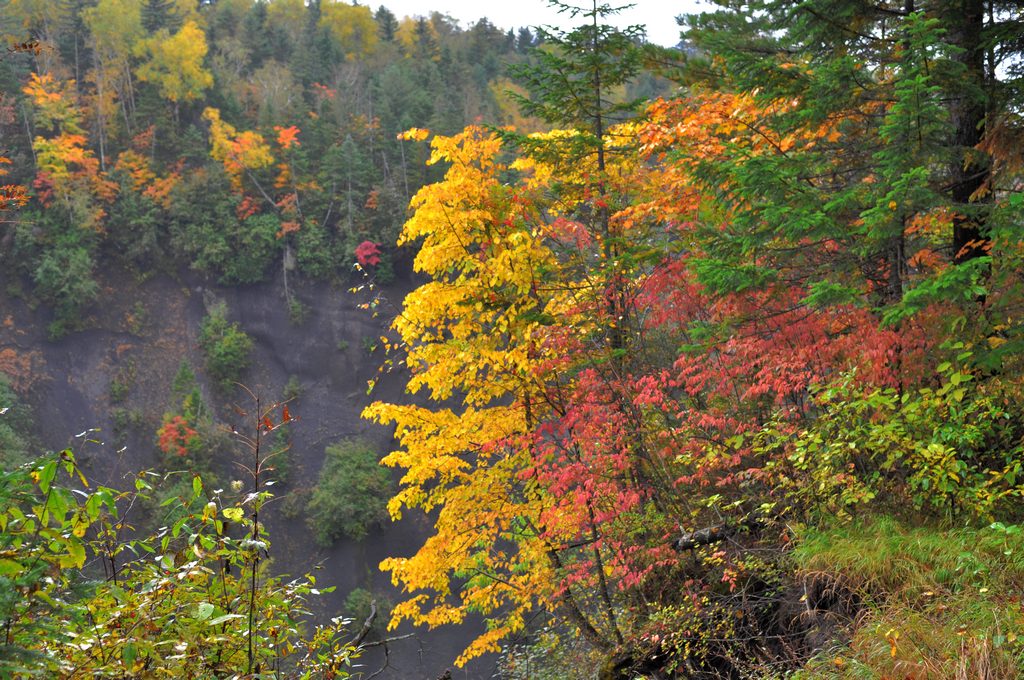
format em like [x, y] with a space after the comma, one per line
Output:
[935, 603]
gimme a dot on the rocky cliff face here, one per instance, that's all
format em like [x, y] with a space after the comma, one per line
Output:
[115, 376]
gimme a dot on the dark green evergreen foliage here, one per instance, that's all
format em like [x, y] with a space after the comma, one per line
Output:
[573, 76]
[351, 494]
[202, 209]
[73, 43]
[426, 46]
[255, 246]
[225, 346]
[387, 24]
[59, 257]
[405, 96]
[64, 278]
[158, 15]
[486, 43]
[525, 40]
[184, 382]
[17, 444]
[943, 66]
[263, 40]
[192, 147]
[206, 229]
[348, 173]
[152, 110]
[137, 226]
[315, 252]
[311, 62]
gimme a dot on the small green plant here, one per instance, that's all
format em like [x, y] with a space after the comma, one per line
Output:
[342, 345]
[297, 311]
[361, 603]
[351, 494]
[279, 459]
[123, 382]
[137, 319]
[225, 346]
[369, 345]
[292, 388]
[124, 420]
[185, 384]
[189, 437]
[118, 391]
[293, 503]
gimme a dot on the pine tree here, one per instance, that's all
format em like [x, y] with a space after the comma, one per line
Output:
[571, 84]
[524, 40]
[387, 24]
[933, 80]
[575, 73]
[158, 15]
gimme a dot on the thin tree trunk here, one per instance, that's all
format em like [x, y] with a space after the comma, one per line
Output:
[405, 174]
[606, 596]
[573, 611]
[101, 123]
[28, 134]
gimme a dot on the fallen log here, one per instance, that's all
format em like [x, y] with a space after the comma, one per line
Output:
[714, 534]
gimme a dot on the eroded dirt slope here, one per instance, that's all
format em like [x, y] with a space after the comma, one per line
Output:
[139, 333]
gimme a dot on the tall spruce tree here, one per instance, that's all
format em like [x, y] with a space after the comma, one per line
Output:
[159, 14]
[571, 82]
[913, 92]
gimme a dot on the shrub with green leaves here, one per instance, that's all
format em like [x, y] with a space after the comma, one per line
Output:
[956, 450]
[360, 602]
[351, 494]
[190, 601]
[279, 458]
[317, 255]
[225, 346]
[15, 425]
[60, 258]
[205, 227]
[189, 438]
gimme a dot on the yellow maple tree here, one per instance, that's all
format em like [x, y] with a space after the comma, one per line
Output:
[512, 275]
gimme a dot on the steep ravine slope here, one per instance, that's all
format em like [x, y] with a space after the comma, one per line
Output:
[139, 333]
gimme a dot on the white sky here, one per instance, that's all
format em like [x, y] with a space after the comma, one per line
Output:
[657, 15]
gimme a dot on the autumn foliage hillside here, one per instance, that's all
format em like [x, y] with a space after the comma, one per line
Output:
[726, 384]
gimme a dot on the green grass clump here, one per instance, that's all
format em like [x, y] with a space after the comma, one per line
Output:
[936, 602]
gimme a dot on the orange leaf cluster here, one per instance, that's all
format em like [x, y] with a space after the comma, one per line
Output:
[136, 166]
[287, 137]
[287, 228]
[414, 134]
[175, 436]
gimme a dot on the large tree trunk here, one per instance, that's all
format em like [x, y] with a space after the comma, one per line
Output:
[970, 168]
